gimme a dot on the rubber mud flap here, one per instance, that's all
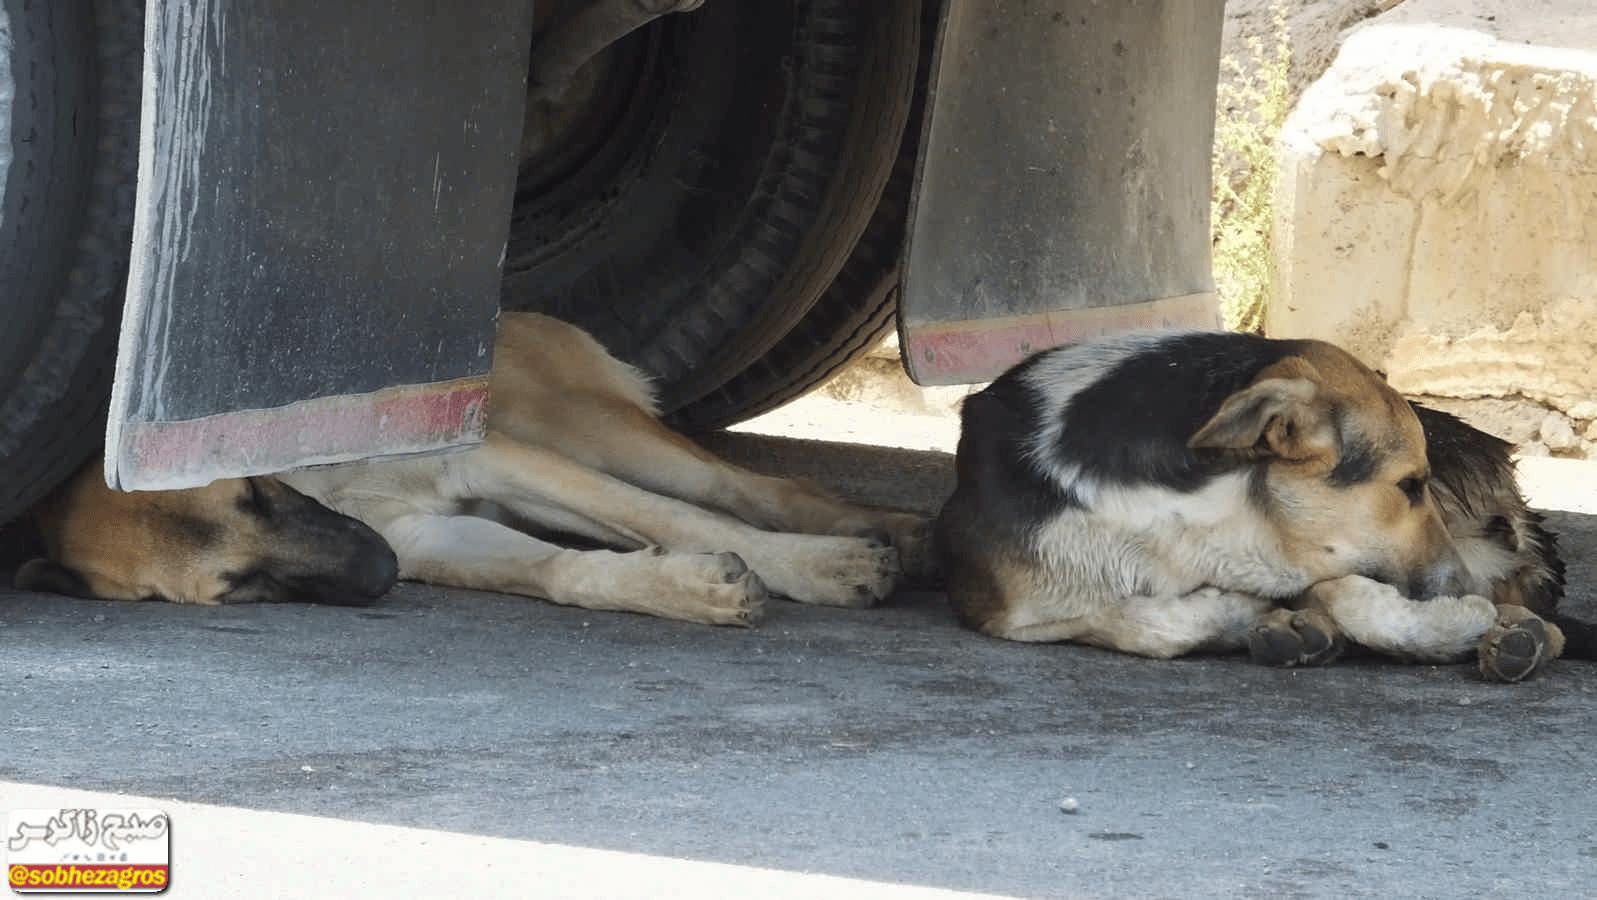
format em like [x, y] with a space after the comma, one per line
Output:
[1064, 186]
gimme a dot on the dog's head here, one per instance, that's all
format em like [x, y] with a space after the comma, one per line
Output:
[235, 540]
[1339, 465]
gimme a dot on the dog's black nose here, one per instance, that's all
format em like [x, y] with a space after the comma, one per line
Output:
[375, 573]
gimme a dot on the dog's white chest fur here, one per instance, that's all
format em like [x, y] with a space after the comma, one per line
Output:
[1158, 542]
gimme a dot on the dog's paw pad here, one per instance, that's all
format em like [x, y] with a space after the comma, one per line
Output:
[741, 596]
[1293, 640]
[910, 534]
[733, 568]
[863, 597]
[1514, 651]
[868, 580]
[752, 608]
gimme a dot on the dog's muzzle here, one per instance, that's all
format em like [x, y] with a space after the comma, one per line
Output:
[1446, 579]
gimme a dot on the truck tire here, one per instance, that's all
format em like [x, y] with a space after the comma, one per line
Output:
[738, 164]
[858, 309]
[69, 104]
[855, 313]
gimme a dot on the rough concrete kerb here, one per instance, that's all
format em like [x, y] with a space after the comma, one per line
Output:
[1433, 212]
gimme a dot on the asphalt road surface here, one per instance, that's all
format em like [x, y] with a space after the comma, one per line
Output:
[450, 742]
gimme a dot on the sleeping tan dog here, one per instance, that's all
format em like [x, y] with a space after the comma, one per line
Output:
[574, 453]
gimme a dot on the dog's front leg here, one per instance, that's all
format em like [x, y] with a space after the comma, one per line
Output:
[1378, 616]
[1518, 645]
[479, 554]
[1510, 642]
[529, 481]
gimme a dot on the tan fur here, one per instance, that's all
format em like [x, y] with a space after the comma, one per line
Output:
[152, 545]
[574, 448]
[238, 539]
[1324, 529]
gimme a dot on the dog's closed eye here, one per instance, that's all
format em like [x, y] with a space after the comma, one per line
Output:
[253, 501]
[1413, 487]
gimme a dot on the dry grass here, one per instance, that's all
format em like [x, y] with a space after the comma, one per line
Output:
[1254, 99]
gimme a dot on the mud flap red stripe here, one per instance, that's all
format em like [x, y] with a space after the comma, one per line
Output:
[409, 419]
[968, 352]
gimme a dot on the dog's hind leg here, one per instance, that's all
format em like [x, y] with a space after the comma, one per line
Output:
[478, 554]
[615, 435]
[1163, 627]
[821, 569]
[1296, 637]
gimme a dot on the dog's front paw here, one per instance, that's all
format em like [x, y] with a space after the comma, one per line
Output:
[1517, 646]
[828, 571]
[1288, 638]
[912, 535]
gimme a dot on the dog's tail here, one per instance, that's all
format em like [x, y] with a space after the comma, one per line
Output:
[1580, 638]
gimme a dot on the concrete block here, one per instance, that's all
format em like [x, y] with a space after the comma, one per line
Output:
[1437, 211]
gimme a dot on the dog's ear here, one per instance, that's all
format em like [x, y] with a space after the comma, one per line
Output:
[1280, 415]
[49, 576]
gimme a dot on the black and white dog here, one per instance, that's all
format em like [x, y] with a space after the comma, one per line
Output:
[1171, 492]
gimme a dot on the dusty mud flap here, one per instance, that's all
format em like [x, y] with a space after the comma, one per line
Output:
[1064, 181]
[323, 202]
